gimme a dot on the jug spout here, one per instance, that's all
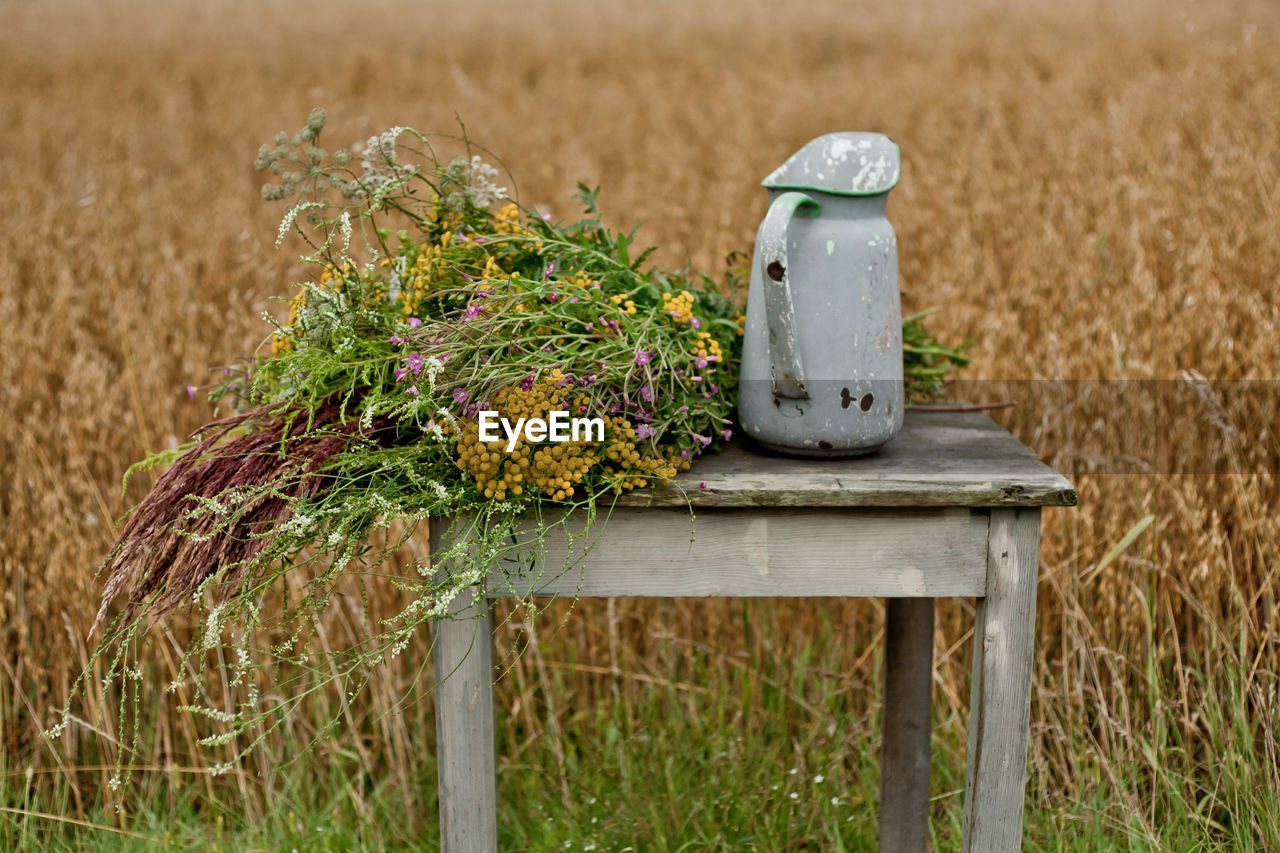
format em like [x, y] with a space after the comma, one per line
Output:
[843, 164]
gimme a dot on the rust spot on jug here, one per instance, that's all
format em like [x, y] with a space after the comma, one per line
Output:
[788, 376]
[825, 445]
[866, 401]
[845, 398]
[776, 270]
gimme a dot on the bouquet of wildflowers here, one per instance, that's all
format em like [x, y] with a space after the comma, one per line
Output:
[454, 355]
[408, 384]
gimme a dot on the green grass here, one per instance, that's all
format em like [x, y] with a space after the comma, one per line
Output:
[773, 749]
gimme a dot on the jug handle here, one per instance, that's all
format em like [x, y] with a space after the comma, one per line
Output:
[780, 314]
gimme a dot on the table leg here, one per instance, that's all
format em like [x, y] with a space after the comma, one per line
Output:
[907, 725]
[464, 729]
[1000, 701]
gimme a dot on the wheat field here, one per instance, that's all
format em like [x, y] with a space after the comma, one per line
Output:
[1090, 191]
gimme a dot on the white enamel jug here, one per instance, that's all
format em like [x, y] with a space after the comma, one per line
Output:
[822, 355]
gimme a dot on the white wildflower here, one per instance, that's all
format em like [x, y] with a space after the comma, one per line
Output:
[211, 713]
[291, 213]
[344, 225]
[433, 367]
[470, 183]
[382, 173]
[213, 626]
[217, 740]
[298, 525]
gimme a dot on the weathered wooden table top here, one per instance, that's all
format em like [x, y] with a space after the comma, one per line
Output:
[939, 459]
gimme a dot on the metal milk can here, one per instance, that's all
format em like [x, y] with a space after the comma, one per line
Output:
[822, 353]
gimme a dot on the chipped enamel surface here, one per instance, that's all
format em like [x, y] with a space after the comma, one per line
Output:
[842, 164]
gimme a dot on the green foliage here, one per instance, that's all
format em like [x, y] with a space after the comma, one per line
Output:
[926, 361]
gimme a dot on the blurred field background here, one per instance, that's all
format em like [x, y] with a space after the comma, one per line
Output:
[1090, 190]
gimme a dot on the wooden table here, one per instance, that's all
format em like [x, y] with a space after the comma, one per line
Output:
[951, 507]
